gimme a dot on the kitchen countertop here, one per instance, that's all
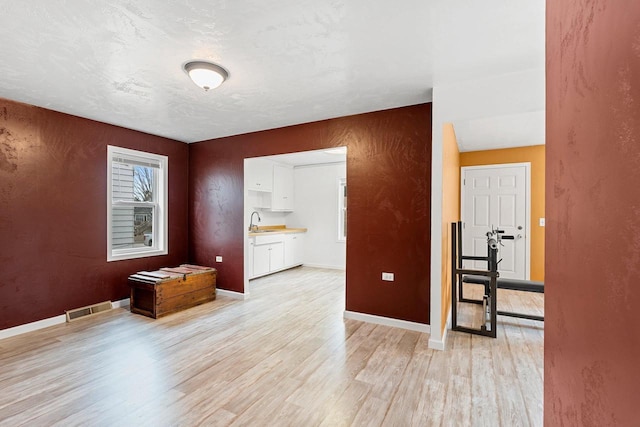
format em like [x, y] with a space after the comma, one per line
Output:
[276, 229]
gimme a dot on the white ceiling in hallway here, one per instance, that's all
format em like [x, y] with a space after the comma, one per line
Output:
[290, 61]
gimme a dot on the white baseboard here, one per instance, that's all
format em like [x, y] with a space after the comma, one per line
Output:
[329, 267]
[121, 303]
[440, 344]
[387, 321]
[232, 294]
[33, 326]
[437, 344]
[51, 321]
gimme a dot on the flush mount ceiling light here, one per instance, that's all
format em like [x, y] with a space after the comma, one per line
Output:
[206, 74]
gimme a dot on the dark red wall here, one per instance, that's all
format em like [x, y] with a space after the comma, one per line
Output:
[592, 295]
[389, 174]
[53, 173]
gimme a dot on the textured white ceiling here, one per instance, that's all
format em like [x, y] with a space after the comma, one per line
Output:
[290, 61]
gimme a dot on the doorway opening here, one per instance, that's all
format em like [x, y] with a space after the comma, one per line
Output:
[294, 212]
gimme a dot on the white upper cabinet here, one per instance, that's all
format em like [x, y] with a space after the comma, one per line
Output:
[282, 196]
[259, 175]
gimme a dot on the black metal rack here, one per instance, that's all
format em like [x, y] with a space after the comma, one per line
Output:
[489, 300]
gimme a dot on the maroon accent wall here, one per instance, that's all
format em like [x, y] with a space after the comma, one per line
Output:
[592, 295]
[53, 173]
[389, 175]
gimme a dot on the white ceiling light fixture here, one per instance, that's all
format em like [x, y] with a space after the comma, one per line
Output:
[207, 75]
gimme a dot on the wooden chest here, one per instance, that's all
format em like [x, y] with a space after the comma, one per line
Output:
[168, 290]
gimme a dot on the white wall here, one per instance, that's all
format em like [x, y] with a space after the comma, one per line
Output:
[316, 208]
[436, 341]
[266, 217]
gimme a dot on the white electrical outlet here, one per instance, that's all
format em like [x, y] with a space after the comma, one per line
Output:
[218, 258]
[541, 222]
[387, 277]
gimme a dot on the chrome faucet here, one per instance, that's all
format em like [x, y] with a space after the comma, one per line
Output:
[251, 225]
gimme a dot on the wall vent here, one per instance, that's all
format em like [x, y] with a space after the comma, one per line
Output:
[89, 310]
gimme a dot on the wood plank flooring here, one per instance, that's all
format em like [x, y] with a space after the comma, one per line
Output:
[284, 357]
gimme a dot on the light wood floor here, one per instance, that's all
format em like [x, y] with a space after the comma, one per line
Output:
[283, 357]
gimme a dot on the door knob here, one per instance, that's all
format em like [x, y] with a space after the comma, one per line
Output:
[519, 236]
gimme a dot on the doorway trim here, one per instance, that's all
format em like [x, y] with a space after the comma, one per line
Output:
[527, 167]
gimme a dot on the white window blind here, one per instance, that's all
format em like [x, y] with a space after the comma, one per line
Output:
[136, 161]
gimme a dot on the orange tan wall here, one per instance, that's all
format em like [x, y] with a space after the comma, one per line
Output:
[450, 209]
[536, 155]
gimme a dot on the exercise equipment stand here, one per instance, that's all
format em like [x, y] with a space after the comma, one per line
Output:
[488, 300]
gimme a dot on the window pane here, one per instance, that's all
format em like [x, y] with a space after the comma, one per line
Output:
[132, 183]
[344, 223]
[132, 227]
[142, 184]
[342, 210]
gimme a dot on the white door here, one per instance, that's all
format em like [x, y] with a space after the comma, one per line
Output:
[497, 196]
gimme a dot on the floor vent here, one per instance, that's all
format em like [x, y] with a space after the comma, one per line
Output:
[89, 310]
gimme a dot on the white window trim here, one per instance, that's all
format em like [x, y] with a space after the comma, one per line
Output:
[160, 215]
[341, 208]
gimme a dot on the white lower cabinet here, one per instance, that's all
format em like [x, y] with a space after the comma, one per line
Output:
[249, 261]
[293, 249]
[267, 258]
[274, 252]
[268, 254]
[276, 256]
[261, 259]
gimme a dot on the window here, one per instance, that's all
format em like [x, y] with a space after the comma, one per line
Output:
[342, 210]
[136, 204]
